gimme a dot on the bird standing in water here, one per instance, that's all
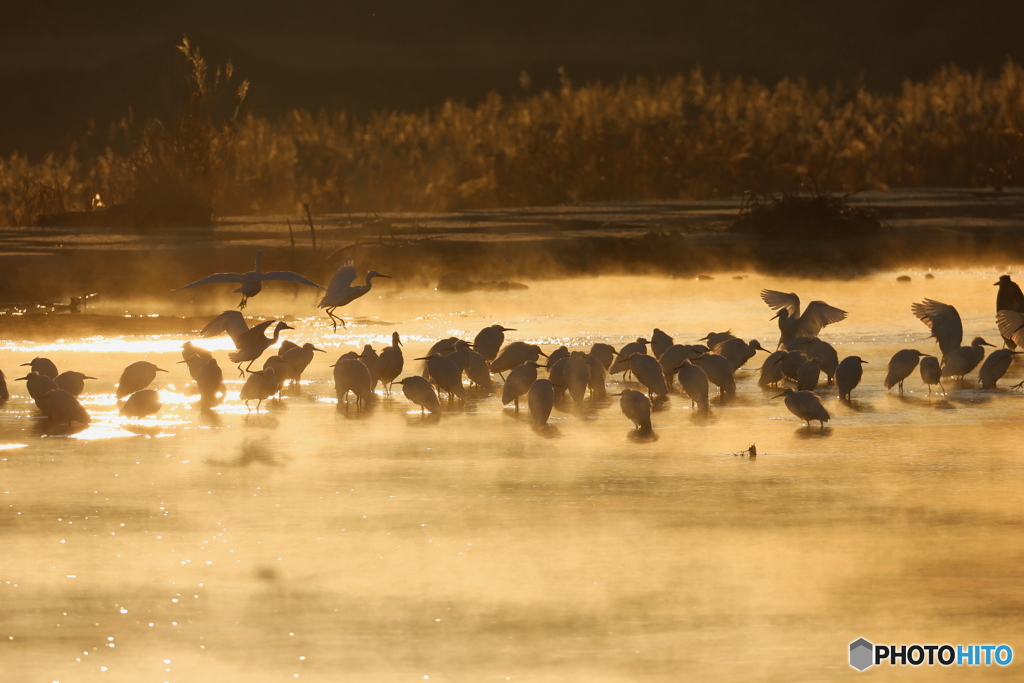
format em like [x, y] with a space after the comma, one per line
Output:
[340, 291]
[251, 283]
[792, 324]
[806, 405]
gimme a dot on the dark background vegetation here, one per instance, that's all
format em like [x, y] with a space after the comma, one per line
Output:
[68, 65]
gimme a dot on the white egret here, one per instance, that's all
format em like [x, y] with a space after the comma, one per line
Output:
[719, 372]
[539, 399]
[596, 376]
[515, 354]
[604, 353]
[738, 351]
[771, 372]
[259, 386]
[1011, 327]
[37, 385]
[556, 355]
[931, 373]
[44, 366]
[188, 349]
[848, 375]
[648, 371]
[577, 375]
[210, 380]
[142, 403]
[519, 381]
[806, 405]
[249, 342]
[621, 363]
[421, 392]
[822, 350]
[995, 366]
[660, 342]
[790, 364]
[473, 365]
[488, 341]
[390, 362]
[62, 408]
[1009, 298]
[298, 359]
[808, 374]
[792, 324]
[251, 283]
[445, 375]
[136, 377]
[282, 373]
[352, 375]
[900, 366]
[694, 382]
[944, 322]
[72, 382]
[637, 407]
[673, 357]
[340, 291]
[369, 358]
[715, 338]
[557, 375]
[964, 359]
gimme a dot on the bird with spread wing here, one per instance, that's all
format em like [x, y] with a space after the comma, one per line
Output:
[792, 324]
[341, 292]
[252, 282]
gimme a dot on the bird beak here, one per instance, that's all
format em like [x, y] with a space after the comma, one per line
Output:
[424, 358]
[180, 362]
[25, 364]
[162, 370]
[863, 361]
[509, 329]
[987, 344]
[21, 378]
[287, 327]
[704, 338]
[90, 378]
[542, 353]
[779, 396]
[383, 275]
[320, 350]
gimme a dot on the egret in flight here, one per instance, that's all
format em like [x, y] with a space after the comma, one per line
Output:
[251, 283]
[340, 291]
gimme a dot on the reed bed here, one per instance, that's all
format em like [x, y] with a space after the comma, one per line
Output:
[689, 136]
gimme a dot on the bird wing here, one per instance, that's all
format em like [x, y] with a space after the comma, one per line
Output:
[777, 300]
[1011, 326]
[340, 290]
[944, 322]
[818, 315]
[215, 278]
[289, 276]
[231, 322]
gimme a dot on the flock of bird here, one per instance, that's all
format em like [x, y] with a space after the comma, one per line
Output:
[796, 366]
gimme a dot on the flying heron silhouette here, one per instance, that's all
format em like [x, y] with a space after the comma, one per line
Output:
[340, 291]
[251, 283]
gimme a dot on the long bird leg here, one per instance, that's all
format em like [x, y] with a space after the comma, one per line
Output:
[241, 304]
[241, 372]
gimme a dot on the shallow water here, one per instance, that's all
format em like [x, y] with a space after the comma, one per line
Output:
[329, 544]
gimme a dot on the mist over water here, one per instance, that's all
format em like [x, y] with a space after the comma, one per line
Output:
[318, 540]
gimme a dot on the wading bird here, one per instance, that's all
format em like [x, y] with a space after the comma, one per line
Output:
[808, 374]
[539, 400]
[660, 342]
[1011, 326]
[44, 366]
[488, 341]
[352, 375]
[446, 375]
[805, 405]
[738, 351]
[72, 382]
[994, 367]
[341, 292]
[62, 408]
[390, 362]
[694, 382]
[848, 375]
[519, 381]
[136, 377]
[637, 407]
[604, 353]
[931, 373]
[421, 392]
[515, 354]
[251, 283]
[259, 386]
[900, 366]
[37, 385]
[792, 324]
[298, 359]
[1009, 298]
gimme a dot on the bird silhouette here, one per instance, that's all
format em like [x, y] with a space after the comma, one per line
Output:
[792, 323]
[340, 291]
[806, 405]
[251, 283]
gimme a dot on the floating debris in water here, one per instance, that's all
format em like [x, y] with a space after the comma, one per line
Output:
[903, 278]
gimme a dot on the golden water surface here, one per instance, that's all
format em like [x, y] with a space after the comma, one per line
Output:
[322, 543]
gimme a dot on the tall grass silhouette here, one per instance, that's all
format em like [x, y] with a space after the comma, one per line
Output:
[688, 136]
